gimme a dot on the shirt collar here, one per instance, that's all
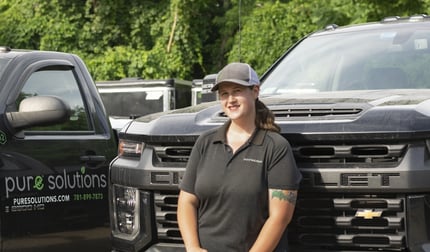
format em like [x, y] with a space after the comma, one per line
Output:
[257, 137]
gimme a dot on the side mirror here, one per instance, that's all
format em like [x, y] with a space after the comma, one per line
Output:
[39, 111]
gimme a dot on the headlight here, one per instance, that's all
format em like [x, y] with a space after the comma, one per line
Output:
[128, 148]
[131, 220]
[126, 212]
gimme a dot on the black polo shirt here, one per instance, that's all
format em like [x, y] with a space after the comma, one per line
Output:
[233, 188]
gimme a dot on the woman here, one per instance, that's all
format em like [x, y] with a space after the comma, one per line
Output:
[240, 186]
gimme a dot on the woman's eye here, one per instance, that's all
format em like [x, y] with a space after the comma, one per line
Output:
[237, 91]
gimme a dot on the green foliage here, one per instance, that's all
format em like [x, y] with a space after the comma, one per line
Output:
[16, 29]
[169, 47]
[271, 27]
[283, 23]
[180, 38]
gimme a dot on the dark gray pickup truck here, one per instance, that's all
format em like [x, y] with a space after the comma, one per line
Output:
[353, 101]
[55, 147]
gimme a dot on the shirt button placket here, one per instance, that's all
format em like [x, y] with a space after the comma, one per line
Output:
[229, 153]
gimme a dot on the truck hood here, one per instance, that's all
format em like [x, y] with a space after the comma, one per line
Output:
[352, 112]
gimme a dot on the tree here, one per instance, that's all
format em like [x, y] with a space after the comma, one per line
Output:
[180, 38]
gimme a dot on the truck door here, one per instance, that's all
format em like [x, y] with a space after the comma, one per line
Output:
[53, 178]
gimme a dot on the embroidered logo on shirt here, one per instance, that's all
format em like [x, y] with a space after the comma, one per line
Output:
[253, 160]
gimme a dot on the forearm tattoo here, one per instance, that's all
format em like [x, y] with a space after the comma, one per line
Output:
[290, 196]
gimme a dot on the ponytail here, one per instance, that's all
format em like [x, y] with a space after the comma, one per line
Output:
[264, 118]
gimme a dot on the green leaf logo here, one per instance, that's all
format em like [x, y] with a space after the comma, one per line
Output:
[38, 183]
[3, 139]
[83, 169]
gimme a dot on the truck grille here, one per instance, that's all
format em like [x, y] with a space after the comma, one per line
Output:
[365, 221]
[369, 222]
[166, 204]
[372, 222]
[344, 156]
[331, 156]
[175, 154]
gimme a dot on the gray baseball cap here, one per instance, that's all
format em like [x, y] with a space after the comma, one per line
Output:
[239, 73]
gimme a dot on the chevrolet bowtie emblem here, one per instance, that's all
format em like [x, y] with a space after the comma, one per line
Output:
[368, 213]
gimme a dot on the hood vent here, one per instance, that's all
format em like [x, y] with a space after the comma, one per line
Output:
[308, 112]
[315, 112]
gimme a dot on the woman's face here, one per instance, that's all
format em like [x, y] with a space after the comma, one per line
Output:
[238, 102]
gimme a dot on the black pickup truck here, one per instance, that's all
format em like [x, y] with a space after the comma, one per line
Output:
[55, 147]
[353, 101]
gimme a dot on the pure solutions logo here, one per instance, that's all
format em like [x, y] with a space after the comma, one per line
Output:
[77, 180]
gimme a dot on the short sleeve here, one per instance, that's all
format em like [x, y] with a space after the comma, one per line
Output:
[189, 178]
[282, 171]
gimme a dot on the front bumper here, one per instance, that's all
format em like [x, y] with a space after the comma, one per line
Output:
[163, 247]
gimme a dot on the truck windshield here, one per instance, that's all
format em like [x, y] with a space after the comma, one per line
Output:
[364, 60]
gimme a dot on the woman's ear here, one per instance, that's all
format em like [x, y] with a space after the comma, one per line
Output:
[256, 91]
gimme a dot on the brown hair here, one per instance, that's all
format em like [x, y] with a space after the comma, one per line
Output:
[264, 118]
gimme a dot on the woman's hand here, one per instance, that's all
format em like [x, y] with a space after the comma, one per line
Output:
[196, 249]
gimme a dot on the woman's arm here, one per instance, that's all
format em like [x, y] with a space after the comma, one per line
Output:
[281, 209]
[187, 221]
